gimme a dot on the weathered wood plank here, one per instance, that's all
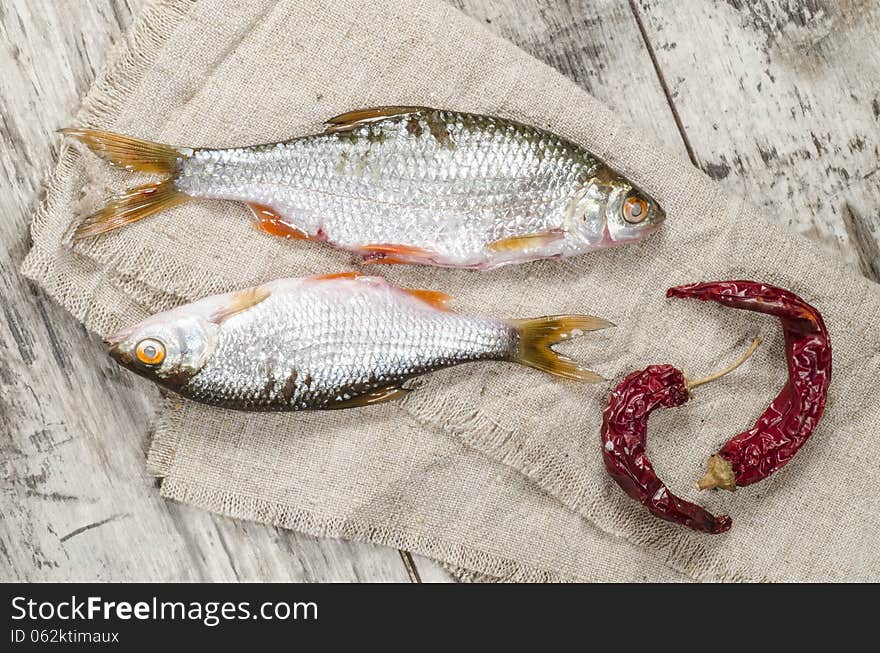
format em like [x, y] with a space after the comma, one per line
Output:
[76, 503]
[431, 571]
[743, 88]
[597, 44]
[613, 66]
[780, 102]
[864, 235]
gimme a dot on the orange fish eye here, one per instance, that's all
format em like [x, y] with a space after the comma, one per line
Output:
[635, 209]
[150, 351]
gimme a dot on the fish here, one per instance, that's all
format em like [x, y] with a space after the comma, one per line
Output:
[330, 341]
[398, 185]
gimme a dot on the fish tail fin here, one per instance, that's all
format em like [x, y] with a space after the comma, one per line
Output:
[538, 335]
[140, 156]
[129, 152]
[132, 205]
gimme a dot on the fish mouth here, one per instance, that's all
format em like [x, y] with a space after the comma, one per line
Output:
[118, 338]
[115, 352]
[660, 217]
[119, 356]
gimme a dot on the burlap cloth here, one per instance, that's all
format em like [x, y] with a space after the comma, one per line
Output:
[489, 467]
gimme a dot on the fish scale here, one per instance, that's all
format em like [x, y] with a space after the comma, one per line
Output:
[324, 336]
[399, 185]
[329, 342]
[360, 189]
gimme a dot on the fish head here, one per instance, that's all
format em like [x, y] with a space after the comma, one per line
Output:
[611, 210]
[168, 348]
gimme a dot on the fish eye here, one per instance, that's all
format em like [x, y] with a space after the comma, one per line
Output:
[635, 209]
[150, 351]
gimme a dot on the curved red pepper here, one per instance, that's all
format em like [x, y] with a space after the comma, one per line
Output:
[790, 419]
[624, 435]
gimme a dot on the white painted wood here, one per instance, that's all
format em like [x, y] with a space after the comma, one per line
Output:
[594, 42]
[76, 503]
[431, 571]
[777, 99]
[780, 100]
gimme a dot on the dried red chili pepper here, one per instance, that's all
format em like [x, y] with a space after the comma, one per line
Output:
[790, 419]
[625, 432]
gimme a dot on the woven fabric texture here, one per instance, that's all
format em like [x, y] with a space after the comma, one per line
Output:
[491, 468]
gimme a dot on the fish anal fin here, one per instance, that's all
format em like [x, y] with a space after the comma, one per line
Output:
[390, 253]
[337, 275]
[437, 299]
[238, 303]
[526, 242]
[267, 220]
[377, 396]
[351, 119]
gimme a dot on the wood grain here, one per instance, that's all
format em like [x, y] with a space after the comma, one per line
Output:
[776, 99]
[595, 43]
[780, 102]
[76, 502]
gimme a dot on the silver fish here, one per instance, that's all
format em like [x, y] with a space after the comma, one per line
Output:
[400, 185]
[334, 341]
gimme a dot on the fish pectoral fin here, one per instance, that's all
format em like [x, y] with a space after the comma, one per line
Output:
[239, 302]
[389, 253]
[528, 241]
[267, 220]
[351, 119]
[378, 396]
[437, 299]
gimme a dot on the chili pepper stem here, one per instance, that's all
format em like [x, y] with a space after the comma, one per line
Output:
[719, 473]
[727, 370]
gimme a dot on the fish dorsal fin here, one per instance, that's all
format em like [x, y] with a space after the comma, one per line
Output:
[525, 242]
[377, 396]
[337, 275]
[239, 302]
[437, 299]
[352, 119]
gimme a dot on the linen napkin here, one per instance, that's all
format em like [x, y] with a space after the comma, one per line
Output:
[491, 468]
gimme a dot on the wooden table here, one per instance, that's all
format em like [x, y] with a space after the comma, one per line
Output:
[779, 100]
